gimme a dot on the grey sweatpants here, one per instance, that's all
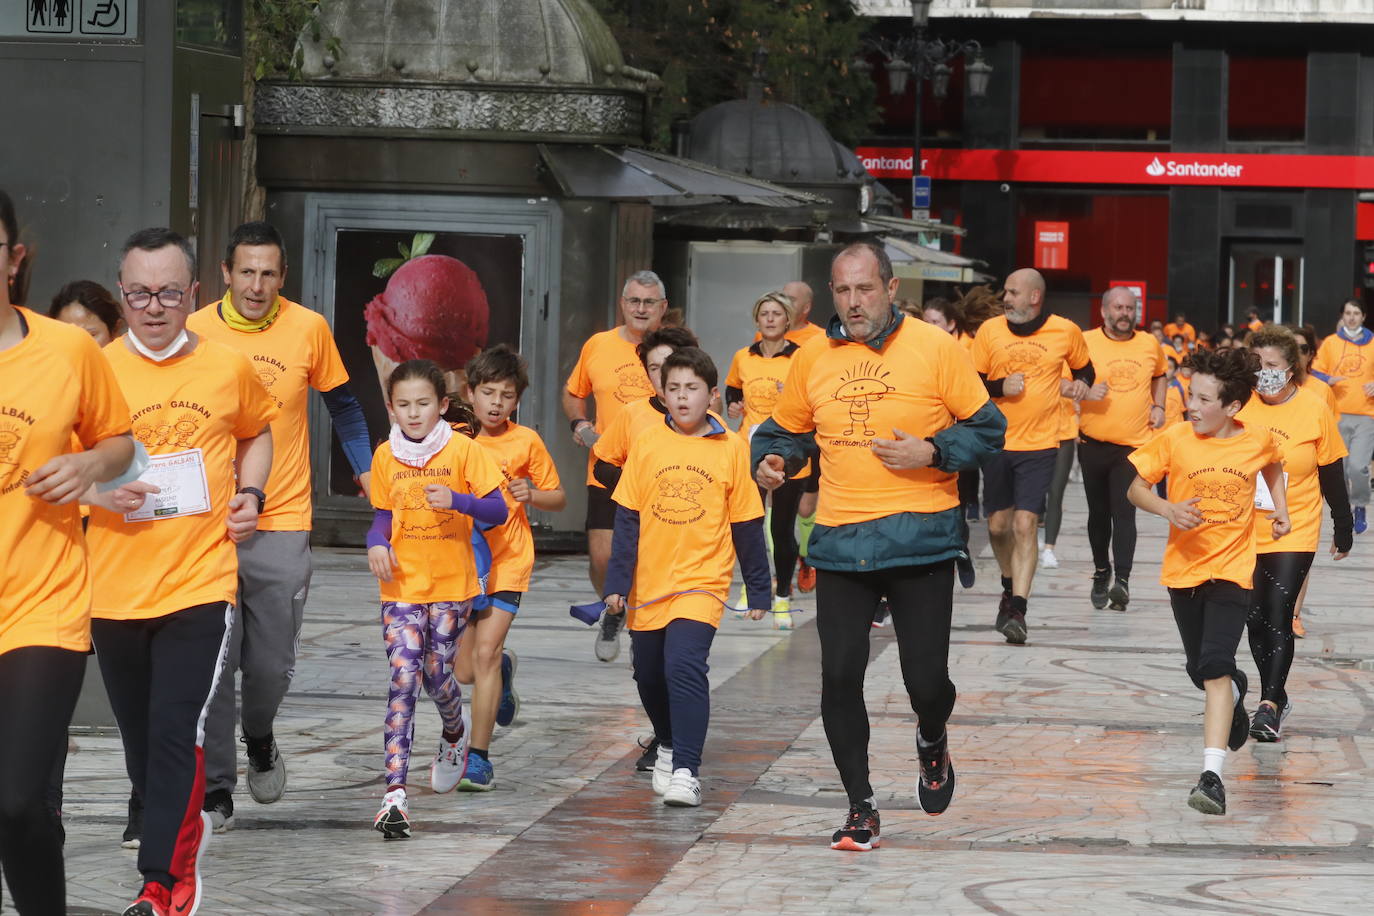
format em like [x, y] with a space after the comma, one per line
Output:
[274, 578]
[1358, 432]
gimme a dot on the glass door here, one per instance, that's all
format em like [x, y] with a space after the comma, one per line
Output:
[1268, 279]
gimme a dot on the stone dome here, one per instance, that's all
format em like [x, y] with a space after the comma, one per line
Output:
[772, 141]
[561, 43]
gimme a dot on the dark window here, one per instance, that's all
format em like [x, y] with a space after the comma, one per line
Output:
[213, 24]
[1124, 95]
[1267, 99]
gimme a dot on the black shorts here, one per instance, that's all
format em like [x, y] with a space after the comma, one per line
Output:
[813, 480]
[1018, 480]
[600, 508]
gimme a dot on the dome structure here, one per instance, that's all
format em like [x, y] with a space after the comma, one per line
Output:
[772, 141]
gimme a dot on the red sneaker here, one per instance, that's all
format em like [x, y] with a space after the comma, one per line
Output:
[806, 576]
[154, 900]
[186, 892]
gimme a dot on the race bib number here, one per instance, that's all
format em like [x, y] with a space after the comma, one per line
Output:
[1264, 500]
[184, 488]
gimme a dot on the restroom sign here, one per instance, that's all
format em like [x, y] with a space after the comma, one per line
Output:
[79, 20]
[1051, 246]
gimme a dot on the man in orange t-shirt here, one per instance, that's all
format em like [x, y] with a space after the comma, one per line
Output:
[1125, 404]
[165, 573]
[1020, 355]
[292, 351]
[1181, 326]
[609, 371]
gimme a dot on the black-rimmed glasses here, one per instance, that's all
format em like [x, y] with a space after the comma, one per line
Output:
[140, 299]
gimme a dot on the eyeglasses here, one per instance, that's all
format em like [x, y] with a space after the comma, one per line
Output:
[140, 299]
[636, 303]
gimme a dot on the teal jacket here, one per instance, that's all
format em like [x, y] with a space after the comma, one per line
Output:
[903, 538]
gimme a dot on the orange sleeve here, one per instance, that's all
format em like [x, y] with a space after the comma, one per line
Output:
[381, 478]
[1323, 362]
[1330, 446]
[580, 382]
[1078, 356]
[982, 361]
[733, 379]
[627, 491]
[541, 467]
[961, 389]
[792, 411]
[256, 407]
[103, 411]
[743, 500]
[327, 372]
[1151, 460]
[480, 473]
[614, 445]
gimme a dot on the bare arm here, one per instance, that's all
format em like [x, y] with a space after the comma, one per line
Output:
[254, 463]
[1159, 388]
[575, 409]
[1182, 515]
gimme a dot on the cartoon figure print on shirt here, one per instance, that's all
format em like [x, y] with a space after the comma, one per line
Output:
[632, 384]
[1223, 494]
[1351, 364]
[859, 387]
[763, 393]
[269, 370]
[11, 436]
[418, 519]
[678, 487]
[1121, 375]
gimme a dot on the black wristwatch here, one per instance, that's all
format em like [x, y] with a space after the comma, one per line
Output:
[937, 455]
[262, 497]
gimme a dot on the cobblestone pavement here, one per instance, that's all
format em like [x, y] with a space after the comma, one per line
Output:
[1075, 754]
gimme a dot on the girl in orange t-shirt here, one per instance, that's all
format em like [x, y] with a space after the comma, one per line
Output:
[1213, 464]
[428, 485]
[1313, 468]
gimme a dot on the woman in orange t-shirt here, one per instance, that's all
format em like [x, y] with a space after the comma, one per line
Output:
[1307, 351]
[1312, 466]
[1213, 464]
[428, 486]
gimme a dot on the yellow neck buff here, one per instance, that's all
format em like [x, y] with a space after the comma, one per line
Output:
[236, 321]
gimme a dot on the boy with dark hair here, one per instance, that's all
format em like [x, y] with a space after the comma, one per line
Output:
[687, 503]
[496, 378]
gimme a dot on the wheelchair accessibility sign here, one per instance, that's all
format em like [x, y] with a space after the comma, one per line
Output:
[73, 19]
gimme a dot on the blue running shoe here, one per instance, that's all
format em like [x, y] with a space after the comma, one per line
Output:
[510, 700]
[479, 776]
[1360, 524]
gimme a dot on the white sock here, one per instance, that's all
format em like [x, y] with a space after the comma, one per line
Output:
[1214, 758]
[1235, 691]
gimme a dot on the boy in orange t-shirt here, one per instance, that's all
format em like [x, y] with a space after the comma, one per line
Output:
[496, 378]
[1209, 561]
[687, 503]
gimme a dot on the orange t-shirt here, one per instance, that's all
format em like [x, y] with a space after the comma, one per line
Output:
[1221, 472]
[614, 445]
[54, 387]
[207, 400]
[799, 335]
[433, 546]
[609, 370]
[1352, 363]
[1129, 367]
[688, 491]
[1323, 391]
[920, 382]
[1032, 415]
[292, 355]
[1175, 402]
[1307, 438]
[1186, 329]
[518, 452]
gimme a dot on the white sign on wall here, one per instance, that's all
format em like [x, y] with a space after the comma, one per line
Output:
[70, 20]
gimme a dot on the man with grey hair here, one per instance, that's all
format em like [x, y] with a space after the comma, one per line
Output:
[1123, 407]
[610, 372]
[896, 412]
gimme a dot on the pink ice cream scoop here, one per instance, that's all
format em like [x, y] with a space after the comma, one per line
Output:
[433, 308]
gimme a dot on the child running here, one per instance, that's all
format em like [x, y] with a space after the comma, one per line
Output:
[1209, 562]
[496, 378]
[427, 486]
[687, 503]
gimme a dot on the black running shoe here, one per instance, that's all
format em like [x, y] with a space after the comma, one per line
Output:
[646, 761]
[860, 830]
[1120, 595]
[1099, 595]
[1240, 722]
[1014, 629]
[1209, 795]
[1265, 726]
[1003, 611]
[935, 787]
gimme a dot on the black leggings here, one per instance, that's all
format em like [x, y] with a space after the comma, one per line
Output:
[783, 529]
[968, 487]
[40, 685]
[1210, 618]
[1054, 511]
[1107, 475]
[1278, 580]
[921, 602]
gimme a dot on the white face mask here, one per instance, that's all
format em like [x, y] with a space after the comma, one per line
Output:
[1270, 382]
[166, 352]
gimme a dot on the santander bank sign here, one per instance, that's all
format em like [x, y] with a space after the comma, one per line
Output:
[1079, 167]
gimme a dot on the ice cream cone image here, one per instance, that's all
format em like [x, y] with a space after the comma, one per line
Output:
[433, 307]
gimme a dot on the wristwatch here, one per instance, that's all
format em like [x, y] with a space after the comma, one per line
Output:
[262, 497]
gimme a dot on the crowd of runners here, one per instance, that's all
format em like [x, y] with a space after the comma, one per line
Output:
[155, 504]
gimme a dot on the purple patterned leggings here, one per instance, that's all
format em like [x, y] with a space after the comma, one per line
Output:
[421, 643]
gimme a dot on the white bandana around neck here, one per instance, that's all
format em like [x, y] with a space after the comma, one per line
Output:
[165, 353]
[417, 454]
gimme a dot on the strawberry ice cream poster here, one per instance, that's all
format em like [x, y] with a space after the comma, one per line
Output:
[399, 295]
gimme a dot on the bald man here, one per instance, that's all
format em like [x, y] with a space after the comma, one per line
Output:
[1020, 355]
[802, 328]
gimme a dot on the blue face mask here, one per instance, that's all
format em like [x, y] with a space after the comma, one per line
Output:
[1270, 382]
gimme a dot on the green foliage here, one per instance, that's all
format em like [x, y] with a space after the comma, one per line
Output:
[704, 51]
[418, 246]
[271, 31]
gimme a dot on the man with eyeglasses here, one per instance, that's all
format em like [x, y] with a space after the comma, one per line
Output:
[292, 350]
[610, 372]
[164, 571]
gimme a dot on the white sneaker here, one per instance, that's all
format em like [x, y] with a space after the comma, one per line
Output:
[451, 760]
[607, 645]
[393, 820]
[663, 769]
[684, 791]
[1048, 560]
